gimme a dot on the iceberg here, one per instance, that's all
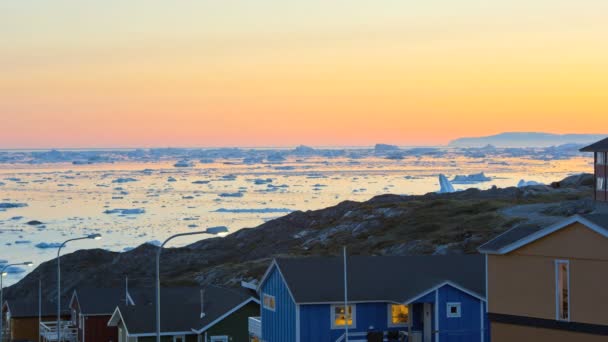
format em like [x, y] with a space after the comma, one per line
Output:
[171, 179]
[472, 178]
[445, 185]
[201, 182]
[275, 158]
[184, 163]
[384, 148]
[523, 183]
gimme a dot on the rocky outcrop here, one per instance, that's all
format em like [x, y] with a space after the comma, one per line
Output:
[450, 223]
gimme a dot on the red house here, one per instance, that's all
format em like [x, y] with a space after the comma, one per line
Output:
[600, 152]
[91, 309]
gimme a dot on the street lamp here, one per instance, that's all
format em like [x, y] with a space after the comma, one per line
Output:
[210, 231]
[91, 237]
[2, 274]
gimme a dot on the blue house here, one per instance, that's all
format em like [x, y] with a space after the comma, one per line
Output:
[402, 298]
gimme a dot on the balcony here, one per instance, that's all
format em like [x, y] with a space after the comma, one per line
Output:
[255, 327]
[48, 331]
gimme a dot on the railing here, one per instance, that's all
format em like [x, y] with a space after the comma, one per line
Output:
[255, 326]
[48, 331]
[361, 336]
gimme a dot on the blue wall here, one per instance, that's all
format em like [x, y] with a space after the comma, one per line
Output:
[466, 328]
[278, 325]
[315, 321]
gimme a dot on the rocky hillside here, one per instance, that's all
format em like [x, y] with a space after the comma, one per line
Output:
[385, 225]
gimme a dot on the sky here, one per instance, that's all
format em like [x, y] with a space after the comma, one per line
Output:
[196, 73]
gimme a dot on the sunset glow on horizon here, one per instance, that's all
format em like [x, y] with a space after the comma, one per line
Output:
[146, 73]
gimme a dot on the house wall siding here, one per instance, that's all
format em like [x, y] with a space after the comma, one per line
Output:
[466, 328]
[26, 328]
[522, 283]
[96, 329]
[278, 325]
[236, 325]
[315, 321]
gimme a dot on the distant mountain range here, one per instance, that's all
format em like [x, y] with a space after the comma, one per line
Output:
[527, 139]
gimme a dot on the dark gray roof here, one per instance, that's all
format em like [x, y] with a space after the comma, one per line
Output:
[510, 236]
[379, 278]
[524, 231]
[598, 219]
[22, 308]
[600, 146]
[181, 309]
[99, 301]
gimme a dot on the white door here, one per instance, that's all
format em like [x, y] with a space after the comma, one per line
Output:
[427, 322]
[219, 339]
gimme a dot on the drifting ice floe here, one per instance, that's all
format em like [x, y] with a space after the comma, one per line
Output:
[253, 210]
[231, 194]
[124, 180]
[6, 205]
[46, 245]
[14, 270]
[135, 211]
[445, 185]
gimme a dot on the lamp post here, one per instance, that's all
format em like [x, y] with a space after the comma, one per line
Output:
[2, 274]
[91, 237]
[211, 231]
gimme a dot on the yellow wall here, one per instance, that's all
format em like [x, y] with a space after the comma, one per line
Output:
[523, 282]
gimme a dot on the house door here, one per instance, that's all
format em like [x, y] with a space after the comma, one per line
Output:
[427, 323]
[218, 339]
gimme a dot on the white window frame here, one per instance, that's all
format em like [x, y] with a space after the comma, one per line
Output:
[456, 305]
[600, 160]
[183, 338]
[389, 316]
[274, 300]
[600, 183]
[558, 298]
[332, 316]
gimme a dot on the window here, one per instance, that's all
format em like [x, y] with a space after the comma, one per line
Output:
[600, 183]
[181, 338]
[562, 289]
[74, 317]
[398, 315]
[600, 158]
[341, 317]
[453, 310]
[269, 302]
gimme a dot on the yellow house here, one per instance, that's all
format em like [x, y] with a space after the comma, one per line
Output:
[549, 283]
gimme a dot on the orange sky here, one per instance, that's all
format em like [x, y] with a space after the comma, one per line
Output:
[234, 73]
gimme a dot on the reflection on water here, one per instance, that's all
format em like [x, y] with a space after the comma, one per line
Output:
[132, 203]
